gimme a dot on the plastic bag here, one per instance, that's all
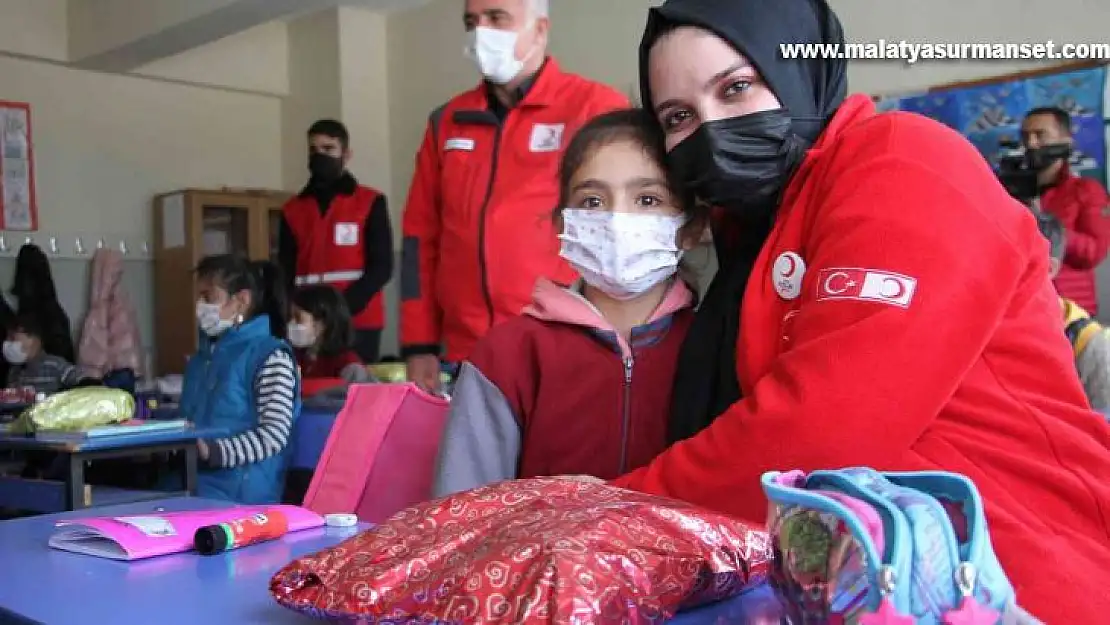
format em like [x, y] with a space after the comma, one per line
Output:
[537, 551]
[79, 409]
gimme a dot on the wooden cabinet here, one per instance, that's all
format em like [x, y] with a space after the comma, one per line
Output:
[189, 225]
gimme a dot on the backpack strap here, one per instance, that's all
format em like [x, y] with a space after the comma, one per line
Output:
[1080, 332]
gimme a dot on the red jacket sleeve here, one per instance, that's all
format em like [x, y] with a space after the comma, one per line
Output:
[1089, 239]
[420, 312]
[862, 380]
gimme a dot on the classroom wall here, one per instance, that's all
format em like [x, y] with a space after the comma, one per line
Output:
[105, 143]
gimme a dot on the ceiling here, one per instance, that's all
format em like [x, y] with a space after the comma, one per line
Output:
[121, 35]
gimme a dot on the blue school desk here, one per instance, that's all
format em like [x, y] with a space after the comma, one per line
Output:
[73, 493]
[44, 586]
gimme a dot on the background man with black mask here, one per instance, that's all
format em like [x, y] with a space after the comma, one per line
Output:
[337, 232]
[1079, 203]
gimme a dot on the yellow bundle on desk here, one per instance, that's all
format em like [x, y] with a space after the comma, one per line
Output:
[77, 409]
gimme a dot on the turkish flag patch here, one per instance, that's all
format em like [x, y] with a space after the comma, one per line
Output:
[867, 285]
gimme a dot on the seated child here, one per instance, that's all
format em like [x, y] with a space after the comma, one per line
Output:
[321, 332]
[30, 365]
[243, 380]
[581, 382]
[1088, 339]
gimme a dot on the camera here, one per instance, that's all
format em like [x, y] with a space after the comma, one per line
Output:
[1018, 167]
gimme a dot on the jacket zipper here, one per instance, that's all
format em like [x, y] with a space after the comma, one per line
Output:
[486, 295]
[626, 415]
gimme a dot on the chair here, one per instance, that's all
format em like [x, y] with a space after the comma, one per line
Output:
[381, 453]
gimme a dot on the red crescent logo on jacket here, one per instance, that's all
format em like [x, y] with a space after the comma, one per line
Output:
[866, 285]
[787, 274]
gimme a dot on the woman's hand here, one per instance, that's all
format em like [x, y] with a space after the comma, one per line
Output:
[202, 450]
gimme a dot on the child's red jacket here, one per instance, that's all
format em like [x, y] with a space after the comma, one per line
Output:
[926, 335]
[558, 391]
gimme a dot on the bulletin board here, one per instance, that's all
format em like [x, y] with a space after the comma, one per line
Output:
[989, 112]
[18, 206]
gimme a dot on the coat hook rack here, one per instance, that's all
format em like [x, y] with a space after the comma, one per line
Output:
[30, 240]
[3, 244]
[123, 247]
[53, 245]
[100, 244]
[78, 247]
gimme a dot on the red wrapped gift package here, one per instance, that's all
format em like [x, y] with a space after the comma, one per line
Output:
[546, 550]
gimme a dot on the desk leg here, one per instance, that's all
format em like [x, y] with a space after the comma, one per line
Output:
[75, 482]
[190, 458]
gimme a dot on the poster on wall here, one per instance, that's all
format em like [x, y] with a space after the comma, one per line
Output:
[18, 209]
[990, 115]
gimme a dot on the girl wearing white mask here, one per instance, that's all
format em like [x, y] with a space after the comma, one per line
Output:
[320, 330]
[29, 363]
[580, 384]
[243, 379]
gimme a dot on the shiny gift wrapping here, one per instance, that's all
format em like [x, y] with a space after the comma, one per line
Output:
[531, 551]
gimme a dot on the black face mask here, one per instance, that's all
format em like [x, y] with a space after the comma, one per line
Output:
[1042, 158]
[325, 168]
[739, 163]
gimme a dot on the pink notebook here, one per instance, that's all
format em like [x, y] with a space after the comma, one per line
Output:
[146, 536]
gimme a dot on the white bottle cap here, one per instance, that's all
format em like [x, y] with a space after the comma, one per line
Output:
[340, 520]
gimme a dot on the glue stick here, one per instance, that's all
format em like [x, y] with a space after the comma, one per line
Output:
[266, 525]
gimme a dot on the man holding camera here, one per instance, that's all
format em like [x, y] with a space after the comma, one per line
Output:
[1081, 204]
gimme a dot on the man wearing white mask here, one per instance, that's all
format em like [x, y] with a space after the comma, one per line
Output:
[478, 227]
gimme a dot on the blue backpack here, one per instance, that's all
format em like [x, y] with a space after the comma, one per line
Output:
[857, 546]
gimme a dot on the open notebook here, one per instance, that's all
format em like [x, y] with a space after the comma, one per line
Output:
[138, 537]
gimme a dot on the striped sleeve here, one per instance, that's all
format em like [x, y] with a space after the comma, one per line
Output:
[274, 388]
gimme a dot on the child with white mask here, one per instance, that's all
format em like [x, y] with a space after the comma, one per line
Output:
[321, 333]
[29, 363]
[581, 382]
[242, 380]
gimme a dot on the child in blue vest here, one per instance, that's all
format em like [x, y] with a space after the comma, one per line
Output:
[243, 379]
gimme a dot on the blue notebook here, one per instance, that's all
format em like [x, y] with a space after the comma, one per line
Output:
[134, 426]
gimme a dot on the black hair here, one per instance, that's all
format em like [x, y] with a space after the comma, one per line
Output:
[331, 128]
[328, 306]
[1053, 230]
[262, 278]
[27, 323]
[1062, 117]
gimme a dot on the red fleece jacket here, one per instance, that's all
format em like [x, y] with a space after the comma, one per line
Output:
[1081, 205]
[926, 336]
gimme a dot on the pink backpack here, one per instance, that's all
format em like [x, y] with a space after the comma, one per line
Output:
[381, 454]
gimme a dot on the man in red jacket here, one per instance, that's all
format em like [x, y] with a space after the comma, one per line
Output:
[1079, 203]
[478, 227]
[337, 232]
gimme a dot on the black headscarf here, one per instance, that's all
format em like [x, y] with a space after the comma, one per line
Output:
[810, 90]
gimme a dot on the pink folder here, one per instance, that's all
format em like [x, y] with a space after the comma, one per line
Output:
[158, 534]
[381, 454]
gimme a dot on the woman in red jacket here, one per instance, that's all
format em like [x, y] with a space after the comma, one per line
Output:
[881, 301]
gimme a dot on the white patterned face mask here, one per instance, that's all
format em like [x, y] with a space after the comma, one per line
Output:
[621, 254]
